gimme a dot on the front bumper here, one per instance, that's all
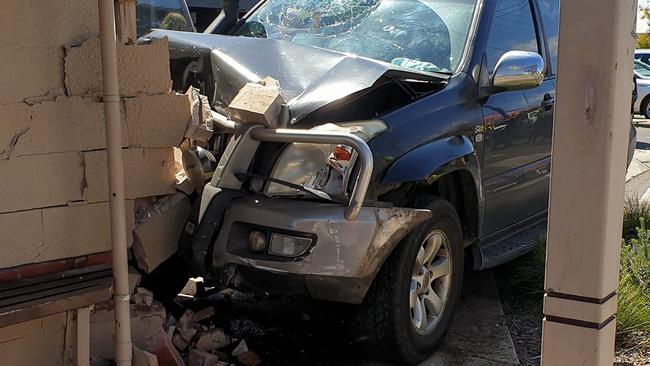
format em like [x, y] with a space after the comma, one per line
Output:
[339, 266]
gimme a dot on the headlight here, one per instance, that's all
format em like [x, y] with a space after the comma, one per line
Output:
[322, 167]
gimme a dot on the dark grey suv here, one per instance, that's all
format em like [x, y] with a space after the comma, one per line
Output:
[415, 133]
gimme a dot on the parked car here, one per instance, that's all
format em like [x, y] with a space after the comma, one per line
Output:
[642, 55]
[415, 133]
[641, 104]
[641, 70]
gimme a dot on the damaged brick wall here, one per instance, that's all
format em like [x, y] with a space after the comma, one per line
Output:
[54, 197]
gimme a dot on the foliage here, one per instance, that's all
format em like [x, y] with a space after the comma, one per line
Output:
[635, 210]
[633, 316]
[643, 40]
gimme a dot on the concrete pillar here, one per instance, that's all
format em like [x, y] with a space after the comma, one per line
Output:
[590, 139]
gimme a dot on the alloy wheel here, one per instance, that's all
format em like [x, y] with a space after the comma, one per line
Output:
[430, 282]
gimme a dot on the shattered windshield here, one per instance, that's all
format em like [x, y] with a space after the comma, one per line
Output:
[425, 35]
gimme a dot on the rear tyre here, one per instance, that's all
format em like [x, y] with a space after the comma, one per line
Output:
[409, 307]
[645, 107]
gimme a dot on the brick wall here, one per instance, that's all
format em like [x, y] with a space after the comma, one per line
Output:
[53, 204]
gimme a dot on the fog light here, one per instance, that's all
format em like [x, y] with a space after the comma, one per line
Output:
[288, 246]
[256, 241]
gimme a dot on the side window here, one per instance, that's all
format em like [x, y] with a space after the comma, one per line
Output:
[550, 10]
[512, 29]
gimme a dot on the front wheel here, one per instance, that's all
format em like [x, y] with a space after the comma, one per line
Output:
[410, 305]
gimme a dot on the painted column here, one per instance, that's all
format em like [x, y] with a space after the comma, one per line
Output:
[590, 140]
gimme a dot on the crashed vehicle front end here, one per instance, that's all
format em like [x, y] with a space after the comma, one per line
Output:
[288, 207]
[293, 203]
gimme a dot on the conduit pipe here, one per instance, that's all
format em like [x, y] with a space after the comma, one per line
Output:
[121, 293]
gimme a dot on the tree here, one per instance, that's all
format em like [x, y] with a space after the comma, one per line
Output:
[642, 40]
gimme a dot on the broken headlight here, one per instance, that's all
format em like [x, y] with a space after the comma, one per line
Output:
[321, 168]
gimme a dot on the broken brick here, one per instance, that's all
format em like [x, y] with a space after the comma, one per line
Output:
[156, 238]
[249, 359]
[145, 321]
[258, 103]
[201, 358]
[242, 347]
[143, 358]
[142, 297]
[203, 314]
[213, 339]
[160, 345]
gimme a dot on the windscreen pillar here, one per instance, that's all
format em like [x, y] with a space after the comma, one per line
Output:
[590, 140]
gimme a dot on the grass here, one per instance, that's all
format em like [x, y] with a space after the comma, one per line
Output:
[526, 277]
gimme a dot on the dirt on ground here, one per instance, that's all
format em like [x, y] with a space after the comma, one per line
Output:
[522, 305]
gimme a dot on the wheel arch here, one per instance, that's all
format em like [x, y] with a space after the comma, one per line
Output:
[448, 168]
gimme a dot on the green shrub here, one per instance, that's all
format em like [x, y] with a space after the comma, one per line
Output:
[635, 210]
[633, 316]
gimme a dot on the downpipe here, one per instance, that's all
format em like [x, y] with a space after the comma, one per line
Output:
[111, 99]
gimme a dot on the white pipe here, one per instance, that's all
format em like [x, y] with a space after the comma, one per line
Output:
[121, 293]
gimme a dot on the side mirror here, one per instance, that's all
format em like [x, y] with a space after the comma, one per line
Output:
[518, 70]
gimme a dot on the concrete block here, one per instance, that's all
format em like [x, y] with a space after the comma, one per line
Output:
[81, 229]
[37, 342]
[157, 120]
[41, 181]
[37, 23]
[249, 359]
[14, 121]
[142, 297]
[241, 348]
[22, 236]
[201, 358]
[145, 321]
[148, 172]
[134, 279]
[28, 72]
[143, 69]
[258, 103]
[64, 125]
[159, 344]
[156, 238]
[213, 339]
[143, 358]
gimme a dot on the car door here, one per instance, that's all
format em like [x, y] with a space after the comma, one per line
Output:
[517, 126]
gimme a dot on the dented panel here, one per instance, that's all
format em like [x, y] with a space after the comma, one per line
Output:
[343, 250]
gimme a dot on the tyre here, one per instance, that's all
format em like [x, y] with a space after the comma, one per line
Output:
[645, 107]
[409, 307]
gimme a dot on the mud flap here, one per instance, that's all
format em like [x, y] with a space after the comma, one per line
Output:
[197, 240]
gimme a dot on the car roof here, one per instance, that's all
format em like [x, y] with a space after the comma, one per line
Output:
[642, 51]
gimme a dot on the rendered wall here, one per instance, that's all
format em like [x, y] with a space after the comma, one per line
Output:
[53, 202]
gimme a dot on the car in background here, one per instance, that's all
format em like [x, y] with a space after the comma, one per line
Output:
[642, 55]
[163, 14]
[642, 102]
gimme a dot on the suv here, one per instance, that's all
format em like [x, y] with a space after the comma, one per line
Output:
[416, 133]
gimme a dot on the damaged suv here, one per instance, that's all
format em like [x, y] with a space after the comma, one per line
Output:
[415, 133]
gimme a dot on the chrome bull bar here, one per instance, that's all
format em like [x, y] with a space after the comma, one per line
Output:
[325, 137]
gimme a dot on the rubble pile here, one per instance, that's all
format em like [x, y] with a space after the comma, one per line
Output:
[160, 339]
